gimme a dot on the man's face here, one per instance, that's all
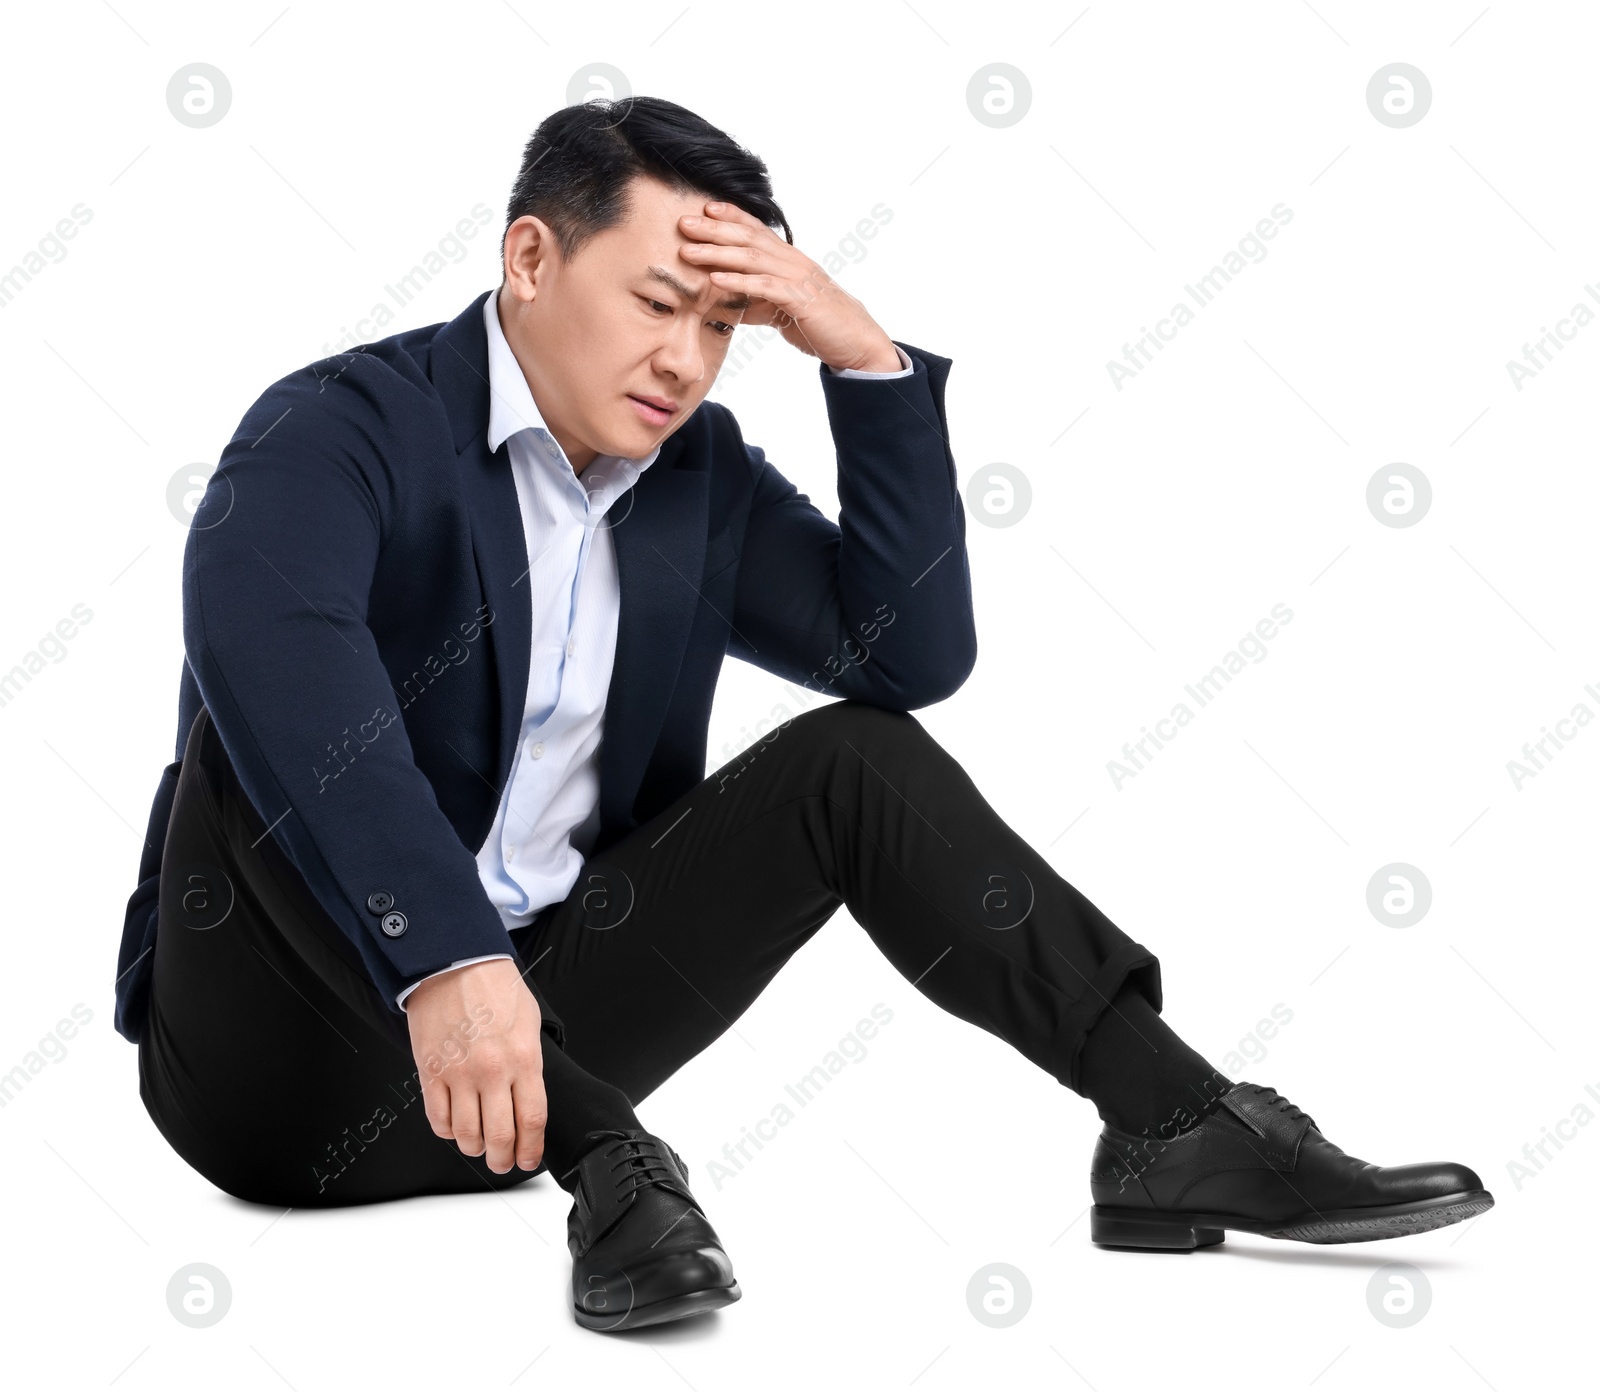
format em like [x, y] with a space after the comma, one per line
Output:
[626, 318]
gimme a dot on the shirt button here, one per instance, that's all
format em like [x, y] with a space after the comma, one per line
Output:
[511, 855]
[572, 643]
[537, 750]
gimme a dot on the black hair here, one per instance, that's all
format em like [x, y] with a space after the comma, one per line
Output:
[577, 165]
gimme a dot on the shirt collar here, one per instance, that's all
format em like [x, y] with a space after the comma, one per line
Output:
[512, 409]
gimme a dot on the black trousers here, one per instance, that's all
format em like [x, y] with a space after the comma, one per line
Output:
[272, 1066]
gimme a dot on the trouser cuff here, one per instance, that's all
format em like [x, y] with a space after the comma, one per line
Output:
[1132, 964]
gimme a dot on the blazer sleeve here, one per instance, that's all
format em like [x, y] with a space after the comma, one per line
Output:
[878, 606]
[281, 556]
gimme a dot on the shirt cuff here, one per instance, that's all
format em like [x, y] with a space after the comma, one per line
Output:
[905, 369]
[400, 1000]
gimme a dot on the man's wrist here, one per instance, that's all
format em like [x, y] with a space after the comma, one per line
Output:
[400, 1000]
[901, 367]
[885, 360]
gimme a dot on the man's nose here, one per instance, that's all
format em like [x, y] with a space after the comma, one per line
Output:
[681, 355]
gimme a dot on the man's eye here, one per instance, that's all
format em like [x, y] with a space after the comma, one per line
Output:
[656, 304]
[725, 330]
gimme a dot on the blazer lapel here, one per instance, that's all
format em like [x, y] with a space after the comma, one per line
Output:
[501, 553]
[459, 367]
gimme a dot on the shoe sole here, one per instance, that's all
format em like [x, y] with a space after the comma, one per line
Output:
[675, 1307]
[1186, 1232]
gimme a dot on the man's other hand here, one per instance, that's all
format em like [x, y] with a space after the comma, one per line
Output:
[475, 1036]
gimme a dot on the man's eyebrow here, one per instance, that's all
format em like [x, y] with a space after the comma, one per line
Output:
[666, 277]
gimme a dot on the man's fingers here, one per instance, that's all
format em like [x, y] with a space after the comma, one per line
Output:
[727, 246]
[532, 1112]
[775, 290]
[737, 221]
[436, 1103]
[721, 259]
[466, 1123]
[499, 1128]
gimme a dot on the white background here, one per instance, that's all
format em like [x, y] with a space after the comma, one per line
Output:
[1229, 476]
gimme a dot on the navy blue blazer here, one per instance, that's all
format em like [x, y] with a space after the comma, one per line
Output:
[355, 621]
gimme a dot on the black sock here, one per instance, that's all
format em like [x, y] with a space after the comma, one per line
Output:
[1140, 1076]
[579, 1103]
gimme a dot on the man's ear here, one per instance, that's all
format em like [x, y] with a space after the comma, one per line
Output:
[529, 242]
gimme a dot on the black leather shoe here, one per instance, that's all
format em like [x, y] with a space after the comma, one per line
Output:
[642, 1249]
[1258, 1164]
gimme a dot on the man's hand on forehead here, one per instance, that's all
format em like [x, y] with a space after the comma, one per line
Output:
[786, 288]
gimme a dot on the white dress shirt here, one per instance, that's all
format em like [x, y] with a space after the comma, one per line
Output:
[549, 813]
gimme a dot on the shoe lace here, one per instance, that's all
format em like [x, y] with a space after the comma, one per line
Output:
[1273, 1095]
[642, 1164]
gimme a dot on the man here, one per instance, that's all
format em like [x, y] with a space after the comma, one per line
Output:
[437, 889]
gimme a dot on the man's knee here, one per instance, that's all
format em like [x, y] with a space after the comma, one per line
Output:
[857, 724]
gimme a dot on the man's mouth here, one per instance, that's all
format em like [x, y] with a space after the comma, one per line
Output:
[654, 410]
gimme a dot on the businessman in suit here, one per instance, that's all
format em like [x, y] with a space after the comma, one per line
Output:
[437, 889]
